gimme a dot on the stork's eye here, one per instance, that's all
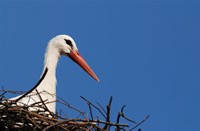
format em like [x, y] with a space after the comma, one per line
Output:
[69, 42]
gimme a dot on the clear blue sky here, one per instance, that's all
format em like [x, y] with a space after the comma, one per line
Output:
[146, 54]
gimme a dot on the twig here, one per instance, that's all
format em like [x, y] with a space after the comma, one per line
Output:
[90, 110]
[101, 107]
[44, 103]
[122, 114]
[68, 105]
[94, 106]
[139, 123]
[108, 113]
[12, 92]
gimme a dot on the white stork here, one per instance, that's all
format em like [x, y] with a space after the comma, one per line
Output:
[59, 45]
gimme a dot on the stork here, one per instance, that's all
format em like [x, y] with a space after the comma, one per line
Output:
[59, 45]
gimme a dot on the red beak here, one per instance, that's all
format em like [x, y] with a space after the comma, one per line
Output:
[77, 58]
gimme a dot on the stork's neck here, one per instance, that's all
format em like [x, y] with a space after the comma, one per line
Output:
[51, 59]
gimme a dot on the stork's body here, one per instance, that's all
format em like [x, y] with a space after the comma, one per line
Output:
[59, 45]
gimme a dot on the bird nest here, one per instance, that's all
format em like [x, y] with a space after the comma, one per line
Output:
[17, 117]
[14, 116]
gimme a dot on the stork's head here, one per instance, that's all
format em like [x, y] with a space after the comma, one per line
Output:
[67, 46]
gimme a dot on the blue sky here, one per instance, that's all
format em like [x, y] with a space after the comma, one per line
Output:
[146, 54]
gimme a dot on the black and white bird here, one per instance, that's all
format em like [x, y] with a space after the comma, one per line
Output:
[58, 46]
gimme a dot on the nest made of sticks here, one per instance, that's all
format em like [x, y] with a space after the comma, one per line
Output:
[14, 116]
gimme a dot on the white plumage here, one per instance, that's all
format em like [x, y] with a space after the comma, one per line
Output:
[59, 45]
